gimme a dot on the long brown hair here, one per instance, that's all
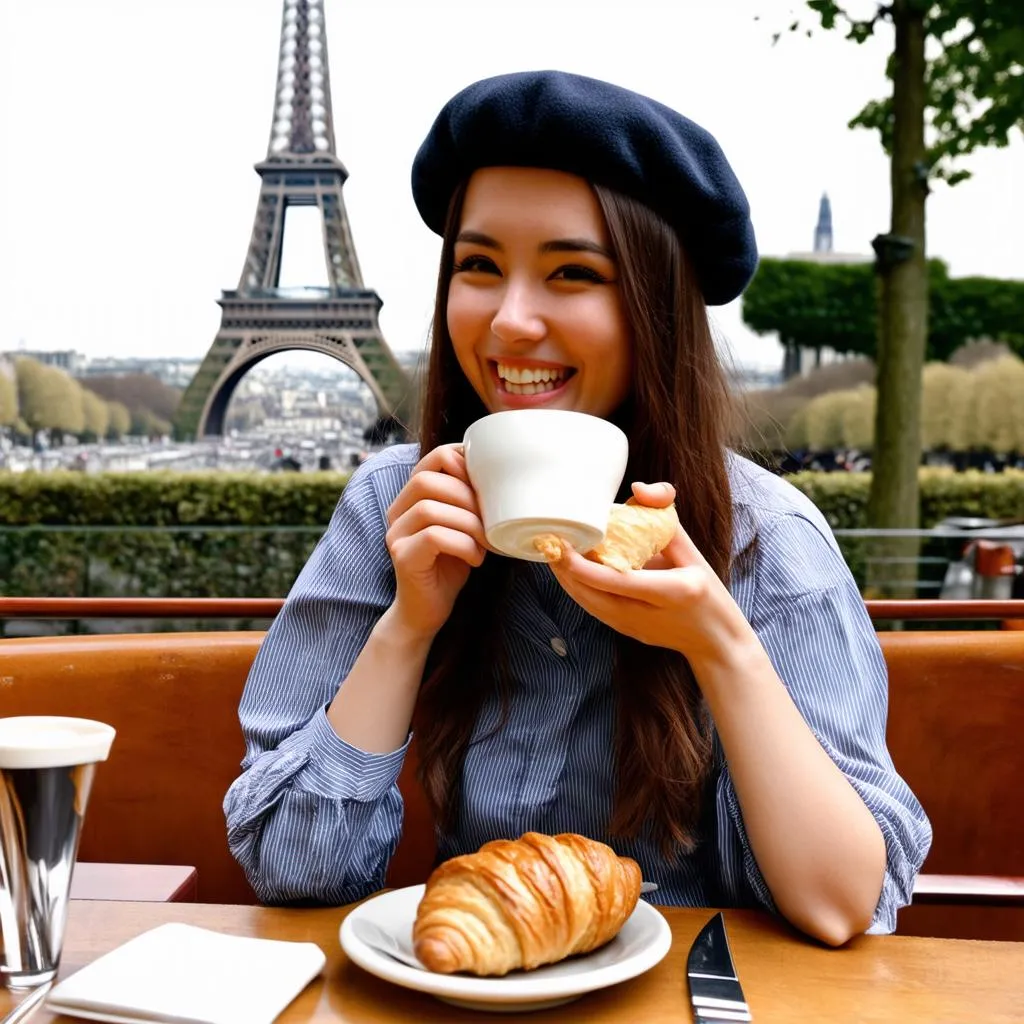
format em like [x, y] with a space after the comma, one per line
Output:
[676, 417]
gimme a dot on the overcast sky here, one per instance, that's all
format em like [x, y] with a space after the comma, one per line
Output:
[128, 131]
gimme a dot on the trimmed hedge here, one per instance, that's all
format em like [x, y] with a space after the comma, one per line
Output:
[160, 534]
[843, 497]
[215, 534]
[166, 498]
[307, 499]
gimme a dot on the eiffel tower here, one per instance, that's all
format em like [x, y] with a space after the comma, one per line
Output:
[259, 317]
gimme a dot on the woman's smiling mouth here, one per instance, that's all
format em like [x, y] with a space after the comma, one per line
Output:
[530, 378]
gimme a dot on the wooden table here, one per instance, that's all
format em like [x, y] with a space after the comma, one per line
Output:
[785, 977]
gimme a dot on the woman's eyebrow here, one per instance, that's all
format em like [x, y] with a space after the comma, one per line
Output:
[576, 245]
[554, 245]
[478, 238]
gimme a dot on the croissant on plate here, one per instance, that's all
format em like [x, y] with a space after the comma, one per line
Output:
[522, 903]
[635, 534]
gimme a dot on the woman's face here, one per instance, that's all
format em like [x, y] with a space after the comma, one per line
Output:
[534, 307]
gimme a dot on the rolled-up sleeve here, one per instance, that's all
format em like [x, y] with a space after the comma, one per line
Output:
[312, 818]
[811, 620]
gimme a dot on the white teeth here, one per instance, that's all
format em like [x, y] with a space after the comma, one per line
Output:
[535, 376]
[530, 389]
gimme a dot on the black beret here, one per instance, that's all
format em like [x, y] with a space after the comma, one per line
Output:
[608, 135]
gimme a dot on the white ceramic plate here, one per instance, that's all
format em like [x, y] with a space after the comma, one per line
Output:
[644, 940]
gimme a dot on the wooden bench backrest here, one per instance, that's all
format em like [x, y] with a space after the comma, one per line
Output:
[173, 699]
[956, 733]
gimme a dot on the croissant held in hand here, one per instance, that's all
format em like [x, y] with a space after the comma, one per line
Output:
[635, 534]
[523, 903]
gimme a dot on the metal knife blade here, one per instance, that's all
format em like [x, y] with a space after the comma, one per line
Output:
[715, 991]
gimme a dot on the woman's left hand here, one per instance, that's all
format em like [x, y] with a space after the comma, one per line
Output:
[675, 601]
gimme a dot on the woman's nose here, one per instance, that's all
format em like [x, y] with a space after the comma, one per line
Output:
[518, 318]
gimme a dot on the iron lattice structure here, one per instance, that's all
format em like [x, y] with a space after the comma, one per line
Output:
[259, 317]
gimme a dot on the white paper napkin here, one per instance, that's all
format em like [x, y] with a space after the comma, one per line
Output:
[188, 975]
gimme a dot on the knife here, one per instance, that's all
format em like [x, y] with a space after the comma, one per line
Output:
[715, 991]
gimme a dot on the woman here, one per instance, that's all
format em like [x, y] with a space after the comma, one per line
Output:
[718, 715]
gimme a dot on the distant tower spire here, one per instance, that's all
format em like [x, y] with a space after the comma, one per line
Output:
[302, 124]
[823, 232]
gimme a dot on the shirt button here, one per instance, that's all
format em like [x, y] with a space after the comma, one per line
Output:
[559, 647]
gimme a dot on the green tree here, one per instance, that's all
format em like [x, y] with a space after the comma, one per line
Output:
[945, 400]
[8, 395]
[119, 420]
[956, 85]
[998, 409]
[145, 423]
[138, 392]
[828, 305]
[797, 434]
[859, 419]
[96, 414]
[813, 305]
[825, 421]
[48, 398]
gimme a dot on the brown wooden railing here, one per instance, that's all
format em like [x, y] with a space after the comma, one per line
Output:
[945, 610]
[268, 607]
[139, 607]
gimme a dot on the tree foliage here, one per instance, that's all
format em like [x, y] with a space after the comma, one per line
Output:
[977, 409]
[138, 392]
[144, 423]
[945, 397]
[120, 420]
[96, 414]
[824, 418]
[998, 408]
[8, 395]
[833, 305]
[974, 78]
[859, 418]
[957, 83]
[48, 398]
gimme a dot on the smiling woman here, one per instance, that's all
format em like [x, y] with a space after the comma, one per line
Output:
[716, 715]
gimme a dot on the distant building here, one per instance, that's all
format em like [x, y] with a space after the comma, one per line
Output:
[66, 359]
[800, 361]
[173, 372]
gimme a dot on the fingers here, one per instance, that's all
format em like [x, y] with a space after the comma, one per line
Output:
[445, 458]
[688, 582]
[435, 514]
[439, 476]
[417, 552]
[659, 495]
[681, 551]
[430, 513]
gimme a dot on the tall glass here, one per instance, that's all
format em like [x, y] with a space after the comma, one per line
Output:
[46, 771]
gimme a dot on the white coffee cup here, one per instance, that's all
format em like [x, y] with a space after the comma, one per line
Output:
[541, 471]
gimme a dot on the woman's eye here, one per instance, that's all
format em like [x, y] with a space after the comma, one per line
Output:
[478, 264]
[576, 272]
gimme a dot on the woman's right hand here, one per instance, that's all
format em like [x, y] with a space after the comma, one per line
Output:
[435, 537]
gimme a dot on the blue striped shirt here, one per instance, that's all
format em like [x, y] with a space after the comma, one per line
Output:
[312, 817]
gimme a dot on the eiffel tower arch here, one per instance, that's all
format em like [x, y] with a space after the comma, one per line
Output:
[259, 317]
